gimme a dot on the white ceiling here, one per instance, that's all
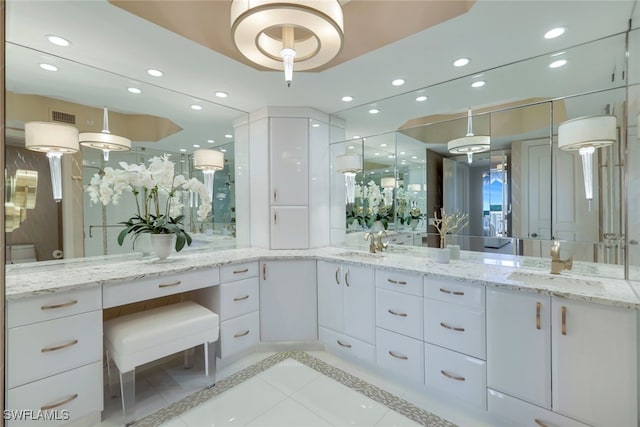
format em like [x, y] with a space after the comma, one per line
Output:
[492, 34]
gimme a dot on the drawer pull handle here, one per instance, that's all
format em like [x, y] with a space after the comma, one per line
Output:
[264, 271]
[564, 320]
[396, 282]
[346, 278]
[453, 328]
[53, 306]
[398, 356]
[241, 298]
[395, 313]
[343, 344]
[168, 285]
[447, 291]
[244, 270]
[540, 423]
[538, 308]
[62, 402]
[241, 334]
[59, 347]
[453, 377]
[337, 276]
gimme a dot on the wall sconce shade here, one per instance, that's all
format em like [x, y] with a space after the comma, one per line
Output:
[388, 182]
[55, 139]
[470, 143]
[276, 34]
[349, 164]
[104, 140]
[584, 135]
[208, 161]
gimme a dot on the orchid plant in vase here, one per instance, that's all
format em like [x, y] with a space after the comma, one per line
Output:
[157, 190]
[448, 224]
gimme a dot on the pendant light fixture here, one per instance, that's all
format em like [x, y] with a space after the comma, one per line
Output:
[55, 139]
[277, 34]
[584, 135]
[208, 161]
[470, 143]
[105, 140]
[349, 164]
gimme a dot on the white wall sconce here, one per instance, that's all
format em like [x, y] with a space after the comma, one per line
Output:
[208, 161]
[55, 139]
[105, 140]
[584, 135]
[349, 164]
[388, 182]
[470, 143]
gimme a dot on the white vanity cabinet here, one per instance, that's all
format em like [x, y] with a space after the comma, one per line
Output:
[576, 359]
[54, 356]
[288, 300]
[346, 309]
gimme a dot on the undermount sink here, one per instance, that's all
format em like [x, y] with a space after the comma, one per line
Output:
[357, 254]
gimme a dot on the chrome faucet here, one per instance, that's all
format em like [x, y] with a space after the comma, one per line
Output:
[372, 245]
[381, 246]
[557, 264]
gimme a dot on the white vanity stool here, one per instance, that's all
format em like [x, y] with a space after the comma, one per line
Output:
[143, 337]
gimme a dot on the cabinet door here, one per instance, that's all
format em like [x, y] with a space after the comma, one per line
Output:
[330, 296]
[594, 362]
[519, 345]
[288, 301]
[360, 303]
[289, 227]
[289, 165]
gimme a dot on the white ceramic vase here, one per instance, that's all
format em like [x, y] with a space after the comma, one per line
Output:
[442, 255]
[162, 244]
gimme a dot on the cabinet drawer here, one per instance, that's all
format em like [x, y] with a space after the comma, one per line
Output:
[401, 282]
[78, 391]
[160, 286]
[455, 327]
[400, 313]
[52, 306]
[238, 298]
[239, 334]
[230, 273]
[347, 346]
[400, 354]
[454, 373]
[46, 348]
[448, 290]
[520, 413]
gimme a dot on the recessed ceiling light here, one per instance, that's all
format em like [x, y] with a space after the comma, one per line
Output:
[48, 67]
[210, 141]
[390, 156]
[58, 41]
[397, 82]
[478, 83]
[558, 63]
[134, 90]
[351, 147]
[196, 107]
[196, 146]
[376, 154]
[554, 32]
[223, 150]
[414, 157]
[404, 162]
[461, 62]
[421, 98]
[374, 111]
[315, 125]
[383, 145]
[154, 72]
[228, 136]
[183, 150]
[347, 98]
[355, 137]
[221, 94]
[402, 153]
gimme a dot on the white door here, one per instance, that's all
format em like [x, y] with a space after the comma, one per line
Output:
[359, 303]
[288, 301]
[331, 296]
[519, 345]
[536, 196]
[594, 362]
[290, 227]
[289, 160]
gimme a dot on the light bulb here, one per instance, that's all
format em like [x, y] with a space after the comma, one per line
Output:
[288, 55]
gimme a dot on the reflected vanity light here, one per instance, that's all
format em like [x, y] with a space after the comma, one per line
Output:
[55, 139]
[105, 140]
[584, 135]
[388, 182]
[470, 143]
[349, 164]
[208, 161]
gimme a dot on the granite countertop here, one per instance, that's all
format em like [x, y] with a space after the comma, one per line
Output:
[585, 282]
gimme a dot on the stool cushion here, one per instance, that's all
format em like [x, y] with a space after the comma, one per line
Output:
[142, 337]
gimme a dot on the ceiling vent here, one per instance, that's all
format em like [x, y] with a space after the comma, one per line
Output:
[58, 116]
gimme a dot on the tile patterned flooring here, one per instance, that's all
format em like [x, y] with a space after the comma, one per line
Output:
[297, 389]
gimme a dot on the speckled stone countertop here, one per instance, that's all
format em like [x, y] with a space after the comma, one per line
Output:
[599, 283]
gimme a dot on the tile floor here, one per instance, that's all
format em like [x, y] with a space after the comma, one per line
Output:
[289, 393]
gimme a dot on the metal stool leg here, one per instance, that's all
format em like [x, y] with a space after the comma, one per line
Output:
[210, 362]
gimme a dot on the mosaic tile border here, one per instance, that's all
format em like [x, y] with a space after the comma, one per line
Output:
[377, 394]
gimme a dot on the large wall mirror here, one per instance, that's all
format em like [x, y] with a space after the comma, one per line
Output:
[519, 193]
[157, 121]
